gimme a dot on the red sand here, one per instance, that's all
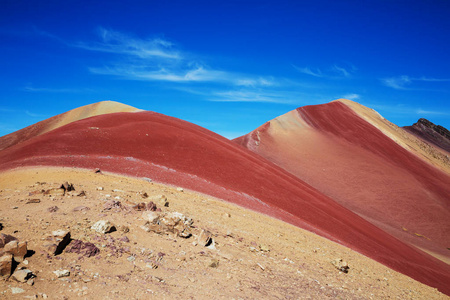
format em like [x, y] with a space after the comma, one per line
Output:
[172, 151]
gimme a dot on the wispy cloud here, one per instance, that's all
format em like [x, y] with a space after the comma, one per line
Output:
[157, 59]
[116, 42]
[404, 82]
[351, 96]
[54, 90]
[333, 72]
[308, 71]
[34, 115]
[251, 96]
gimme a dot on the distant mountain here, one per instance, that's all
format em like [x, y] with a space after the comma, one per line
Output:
[176, 152]
[100, 108]
[367, 164]
[428, 131]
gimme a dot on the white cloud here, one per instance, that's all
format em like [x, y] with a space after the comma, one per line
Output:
[403, 82]
[351, 96]
[158, 60]
[253, 96]
[333, 72]
[53, 90]
[308, 71]
[398, 83]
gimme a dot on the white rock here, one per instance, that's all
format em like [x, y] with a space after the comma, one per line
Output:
[102, 226]
[16, 290]
[150, 216]
[62, 273]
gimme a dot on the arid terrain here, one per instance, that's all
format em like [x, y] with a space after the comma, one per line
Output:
[327, 201]
[254, 256]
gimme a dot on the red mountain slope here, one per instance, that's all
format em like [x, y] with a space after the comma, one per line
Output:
[330, 147]
[100, 108]
[169, 150]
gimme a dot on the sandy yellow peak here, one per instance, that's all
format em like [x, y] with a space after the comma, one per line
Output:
[405, 139]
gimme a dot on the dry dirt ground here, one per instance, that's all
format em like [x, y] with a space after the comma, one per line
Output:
[254, 256]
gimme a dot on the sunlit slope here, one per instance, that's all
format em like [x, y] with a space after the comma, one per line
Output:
[402, 137]
[100, 108]
[173, 151]
[364, 165]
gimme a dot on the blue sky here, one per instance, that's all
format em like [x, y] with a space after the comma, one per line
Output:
[228, 66]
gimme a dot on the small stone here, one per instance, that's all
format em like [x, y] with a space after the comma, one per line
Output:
[214, 263]
[22, 275]
[264, 248]
[100, 188]
[33, 201]
[6, 264]
[53, 209]
[44, 296]
[341, 265]
[103, 226]
[204, 238]
[81, 208]
[150, 216]
[131, 258]
[57, 241]
[16, 290]
[61, 273]
[180, 189]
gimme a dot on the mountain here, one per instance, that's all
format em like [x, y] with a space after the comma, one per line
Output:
[370, 166]
[434, 134]
[172, 151]
[100, 108]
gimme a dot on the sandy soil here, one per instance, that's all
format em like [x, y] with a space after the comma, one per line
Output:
[257, 256]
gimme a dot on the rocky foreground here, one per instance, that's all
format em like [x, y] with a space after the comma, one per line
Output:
[70, 233]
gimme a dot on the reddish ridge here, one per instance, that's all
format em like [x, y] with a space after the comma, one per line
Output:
[169, 150]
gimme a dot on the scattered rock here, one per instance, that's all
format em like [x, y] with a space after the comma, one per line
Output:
[61, 273]
[98, 171]
[150, 216]
[112, 205]
[57, 241]
[204, 238]
[100, 188]
[16, 290]
[6, 265]
[151, 206]
[124, 239]
[22, 275]
[264, 248]
[67, 187]
[124, 229]
[173, 222]
[82, 194]
[5, 239]
[29, 201]
[17, 249]
[103, 226]
[81, 208]
[214, 263]
[139, 206]
[341, 265]
[84, 248]
[53, 209]
[180, 189]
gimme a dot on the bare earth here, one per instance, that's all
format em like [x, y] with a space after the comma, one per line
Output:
[255, 256]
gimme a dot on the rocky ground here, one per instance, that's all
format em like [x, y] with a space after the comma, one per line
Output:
[132, 238]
